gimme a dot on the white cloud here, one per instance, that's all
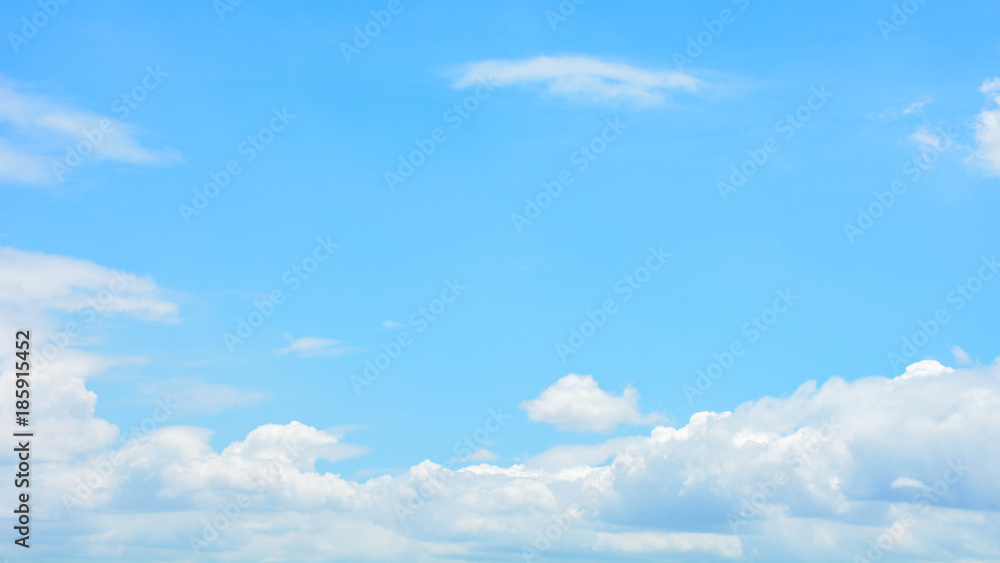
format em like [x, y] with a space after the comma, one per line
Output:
[63, 414]
[961, 357]
[580, 78]
[61, 300]
[393, 325]
[653, 542]
[903, 482]
[33, 281]
[308, 346]
[917, 105]
[577, 403]
[827, 461]
[277, 454]
[926, 138]
[925, 368]
[41, 129]
[813, 475]
[987, 130]
[482, 454]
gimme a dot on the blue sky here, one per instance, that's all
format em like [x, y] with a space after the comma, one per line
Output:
[838, 110]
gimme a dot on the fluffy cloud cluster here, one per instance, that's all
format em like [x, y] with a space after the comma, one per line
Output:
[815, 475]
[838, 471]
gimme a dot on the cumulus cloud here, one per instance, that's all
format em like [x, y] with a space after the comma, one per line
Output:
[924, 368]
[987, 130]
[41, 291]
[816, 474]
[308, 346]
[64, 414]
[580, 78]
[271, 452]
[39, 130]
[577, 403]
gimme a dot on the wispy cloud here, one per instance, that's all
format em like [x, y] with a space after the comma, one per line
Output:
[915, 107]
[32, 280]
[308, 346]
[393, 325]
[904, 482]
[194, 397]
[44, 140]
[480, 455]
[961, 356]
[580, 78]
[926, 138]
[987, 129]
